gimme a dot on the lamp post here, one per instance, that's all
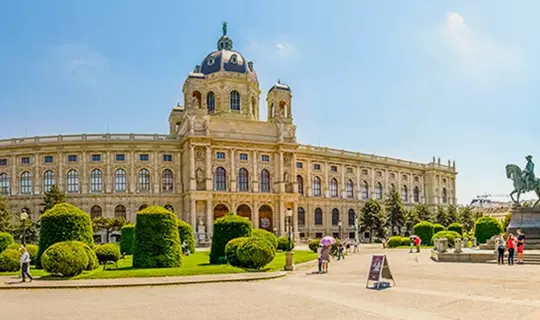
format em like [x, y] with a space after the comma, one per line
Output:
[339, 225]
[289, 255]
[24, 217]
[356, 227]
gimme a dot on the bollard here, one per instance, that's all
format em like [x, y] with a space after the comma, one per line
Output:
[457, 243]
[474, 244]
[436, 244]
[443, 245]
[465, 242]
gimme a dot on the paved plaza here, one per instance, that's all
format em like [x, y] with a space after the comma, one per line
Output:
[425, 290]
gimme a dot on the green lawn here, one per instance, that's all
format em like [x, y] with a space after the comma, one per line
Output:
[195, 264]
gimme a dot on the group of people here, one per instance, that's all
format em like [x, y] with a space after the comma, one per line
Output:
[324, 253]
[512, 245]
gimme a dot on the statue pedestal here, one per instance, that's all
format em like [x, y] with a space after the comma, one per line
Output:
[528, 220]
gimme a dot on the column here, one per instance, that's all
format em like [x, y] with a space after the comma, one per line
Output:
[358, 184]
[60, 175]
[156, 177]
[255, 214]
[193, 214]
[36, 176]
[14, 179]
[281, 217]
[83, 175]
[209, 219]
[107, 179]
[191, 168]
[342, 193]
[327, 219]
[232, 173]
[131, 173]
[281, 185]
[208, 160]
[255, 174]
[372, 184]
[307, 180]
[326, 190]
[294, 173]
[295, 220]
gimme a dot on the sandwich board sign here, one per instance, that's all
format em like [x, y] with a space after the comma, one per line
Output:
[379, 270]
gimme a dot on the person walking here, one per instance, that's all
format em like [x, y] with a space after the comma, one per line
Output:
[319, 251]
[325, 257]
[355, 244]
[25, 265]
[340, 252]
[417, 242]
[500, 250]
[520, 246]
[511, 244]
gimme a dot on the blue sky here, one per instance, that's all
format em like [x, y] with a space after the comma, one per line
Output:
[415, 79]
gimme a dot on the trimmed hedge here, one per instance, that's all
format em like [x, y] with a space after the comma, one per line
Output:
[485, 228]
[127, 234]
[65, 259]
[405, 241]
[108, 252]
[437, 227]
[424, 229]
[394, 241]
[225, 229]
[450, 235]
[10, 260]
[266, 235]
[255, 253]
[64, 222]
[31, 248]
[157, 242]
[6, 240]
[92, 258]
[283, 243]
[231, 248]
[457, 227]
[186, 234]
[314, 244]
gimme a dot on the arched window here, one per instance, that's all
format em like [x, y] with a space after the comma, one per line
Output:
[335, 217]
[243, 181]
[96, 181]
[318, 217]
[235, 100]
[265, 181]
[300, 183]
[49, 180]
[333, 188]
[364, 191]
[349, 190]
[301, 216]
[95, 212]
[220, 183]
[120, 180]
[444, 196]
[316, 187]
[352, 217]
[142, 207]
[378, 191]
[404, 193]
[392, 186]
[120, 212]
[73, 181]
[211, 101]
[26, 183]
[416, 194]
[167, 181]
[4, 184]
[169, 207]
[144, 180]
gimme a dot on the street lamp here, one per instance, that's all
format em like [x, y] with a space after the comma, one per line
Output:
[356, 227]
[24, 217]
[289, 214]
[289, 255]
[339, 225]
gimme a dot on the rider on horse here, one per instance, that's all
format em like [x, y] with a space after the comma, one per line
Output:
[528, 174]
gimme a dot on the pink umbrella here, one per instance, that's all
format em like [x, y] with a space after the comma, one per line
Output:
[328, 241]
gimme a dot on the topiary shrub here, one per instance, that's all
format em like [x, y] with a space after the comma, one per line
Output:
[10, 260]
[437, 227]
[65, 259]
[394, 242]
[450, 235]
[186, 234]
[283, 243]
[64, 222]
[405, 241]
[457, 227]
[126, 238]
[424, 229]
[255, 253]
[108, 252]
[314, 244]
[225, 229]
[31, 248]
[6, 240]
[485, 228]
[157, 242]
[268, 236]
[231, 249]
[92, 258]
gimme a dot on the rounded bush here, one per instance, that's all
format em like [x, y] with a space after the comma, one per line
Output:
[225, 229]
[186, 234]
[283, 243]
[108, 252]
[255, 253]
[405, 241]
[457, 227]
[10, 260]
[126, 238]
[394, 241]
[157, 242]
[314, 244]
[31, 248]
[266, 235]
[65, 259]
[6, 240]
[92, 258]
[64, 222]
[437, 227]
[231, 249]
[450, 235]
[424, 229]
[485, 228]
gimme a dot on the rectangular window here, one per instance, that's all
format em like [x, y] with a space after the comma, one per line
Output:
[316, 166]
[96, 157]
[318, 235]
[299, 165]
[3, 162]
[72, 158]
[48, 159]
[220, 155]
[25, 160]
[120, 157]
[365, 172]
[379, 174]
[265, 158]
[349, 170]
[143, 157]
[351, 235]
[333, 168]
[243, 156]
[167, 157]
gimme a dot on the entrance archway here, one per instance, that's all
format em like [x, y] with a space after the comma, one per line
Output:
[220, 210]
[265, 218]
[244, 211]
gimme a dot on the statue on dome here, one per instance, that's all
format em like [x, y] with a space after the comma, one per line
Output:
[224, 28]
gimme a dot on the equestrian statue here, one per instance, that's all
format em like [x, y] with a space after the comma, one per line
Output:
[524, 181]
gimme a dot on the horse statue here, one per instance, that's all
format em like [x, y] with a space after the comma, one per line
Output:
[514, 172]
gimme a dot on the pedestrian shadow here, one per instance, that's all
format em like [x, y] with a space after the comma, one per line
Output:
[313, 273]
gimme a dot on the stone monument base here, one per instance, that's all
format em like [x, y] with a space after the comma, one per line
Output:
[528, 220]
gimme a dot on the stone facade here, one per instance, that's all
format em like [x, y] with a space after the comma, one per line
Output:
[218, 157]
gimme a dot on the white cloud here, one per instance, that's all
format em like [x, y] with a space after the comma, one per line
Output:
[78, 63]
[270, 50]
[280, 46]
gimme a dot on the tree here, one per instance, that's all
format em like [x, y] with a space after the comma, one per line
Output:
[466, 218]
[52, 197]
[372, 219]
[411, 219]
[441, 216]
[108, 224]
[395, 212]
[6, 216]
[452, 214]
[423, 212]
